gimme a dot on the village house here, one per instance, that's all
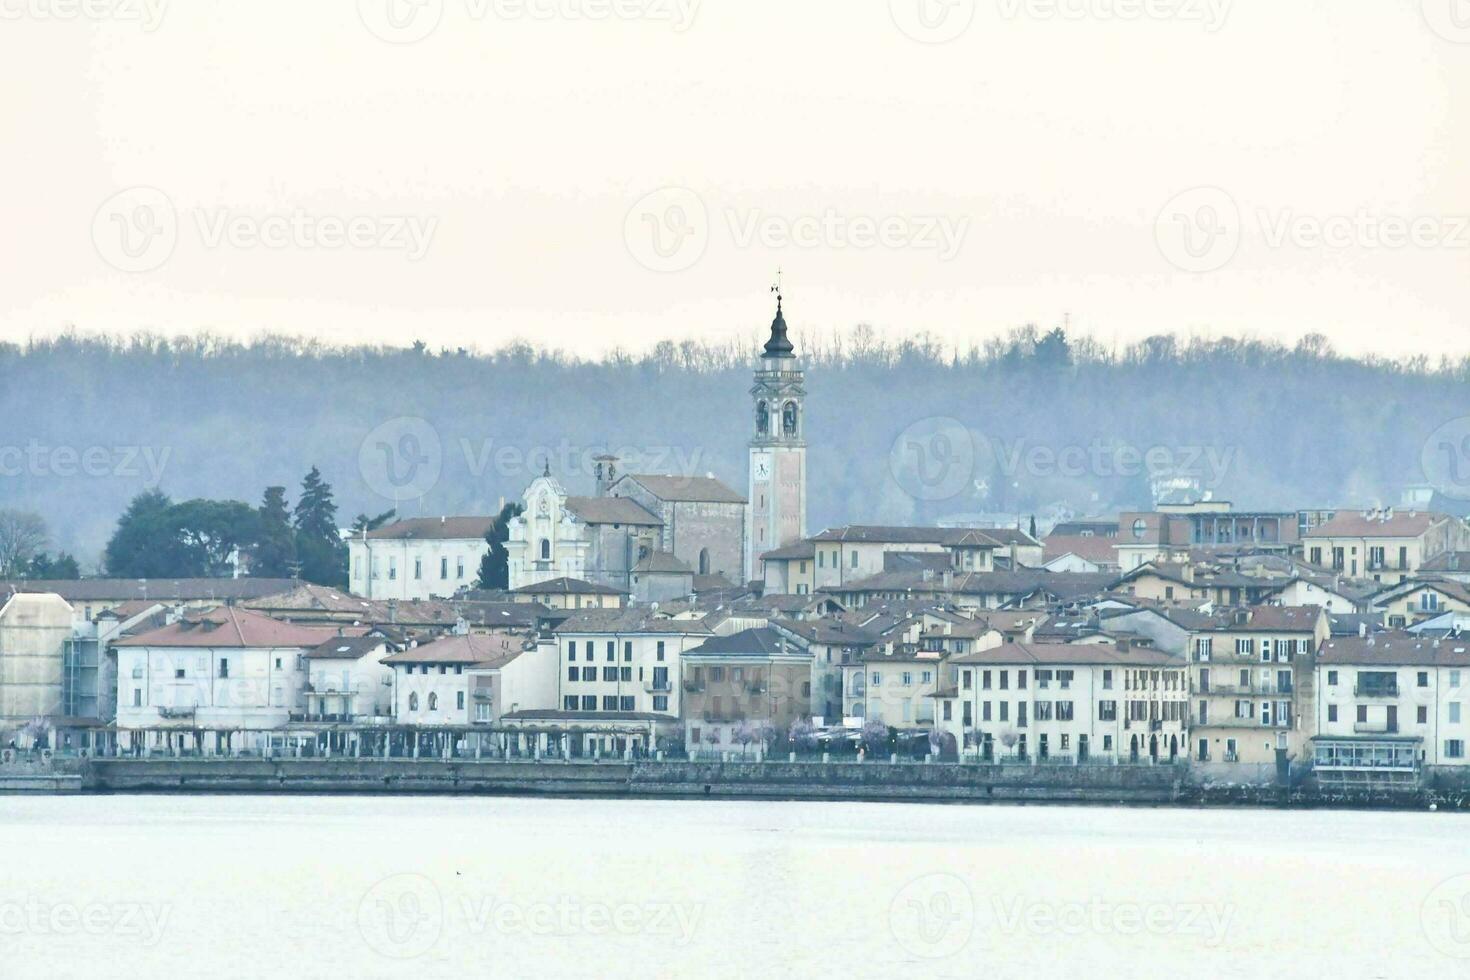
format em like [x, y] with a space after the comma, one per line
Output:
[1389, 704]
[571, 593]
[347, 681]
[474, 679]
[744, 688]
[1252, 680]
[418, 558]
[213, 672]
[1169, 533]
[1413, 601]
[1386, 545]
[1106, 702]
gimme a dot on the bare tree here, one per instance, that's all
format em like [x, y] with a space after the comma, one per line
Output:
[22, 536]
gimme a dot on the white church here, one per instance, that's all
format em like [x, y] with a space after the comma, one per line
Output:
[661, 536]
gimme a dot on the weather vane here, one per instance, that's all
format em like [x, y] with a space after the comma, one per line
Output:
[777, 288]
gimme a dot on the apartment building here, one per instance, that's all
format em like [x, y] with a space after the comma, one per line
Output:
[1067, 700]
[475, 679]
[1390, 703]
[742, 688]
[1386, 545]
[1251, 675]
[623, 662]
[421, 558]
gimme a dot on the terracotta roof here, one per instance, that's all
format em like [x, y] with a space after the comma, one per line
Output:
[346, 648]
[432, 528]
[801, 549]
[1095, 549]
[764, 642]
[632, 620]
[610, 510]
[680, 489]
[1070, 653]
[891, 534]
[232, 627]
[1401, 524]
[567, 586]
[160, 589]
[487, 650]
[1395, 648]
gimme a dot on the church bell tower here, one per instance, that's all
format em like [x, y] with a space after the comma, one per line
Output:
[777, 449]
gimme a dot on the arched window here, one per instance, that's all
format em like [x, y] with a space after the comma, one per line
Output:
[546, 549]
[433, 702]
[762, 418]
[788, 419]
[413, 702]
[704, 561]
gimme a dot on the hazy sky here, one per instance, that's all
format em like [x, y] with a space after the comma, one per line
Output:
[592, 173]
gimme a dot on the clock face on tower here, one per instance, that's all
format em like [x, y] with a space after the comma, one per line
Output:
[760, 467]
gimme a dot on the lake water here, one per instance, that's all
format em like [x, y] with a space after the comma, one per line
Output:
[249, 886]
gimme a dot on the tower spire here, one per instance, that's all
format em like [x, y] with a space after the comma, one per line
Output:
[779, 345]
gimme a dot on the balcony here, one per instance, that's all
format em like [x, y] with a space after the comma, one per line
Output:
[1374, 728]
[1376, 689]
[176, 712]
[756, 688]
[663, 687]
[693, 687]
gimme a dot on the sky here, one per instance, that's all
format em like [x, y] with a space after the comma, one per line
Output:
[598, 174]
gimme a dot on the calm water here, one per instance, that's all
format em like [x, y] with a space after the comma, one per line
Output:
[349, 887]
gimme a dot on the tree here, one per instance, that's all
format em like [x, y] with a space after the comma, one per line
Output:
[744, 734]
[213, 535]
[143, 545]
[275, 544]
[63, 568]
[495, 566]
[802, 735]
[319, 546]
[22, 536]
[876, 738]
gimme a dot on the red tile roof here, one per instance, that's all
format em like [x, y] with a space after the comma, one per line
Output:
[232, 627]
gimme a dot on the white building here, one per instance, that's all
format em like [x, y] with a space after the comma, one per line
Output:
[224, 669]
[347, 681]
[473, 679]
[1390, 702]
[1078, 700]
[421, 558]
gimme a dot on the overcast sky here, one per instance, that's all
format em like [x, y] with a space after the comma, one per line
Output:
[597, 173]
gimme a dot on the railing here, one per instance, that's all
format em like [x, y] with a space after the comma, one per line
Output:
[1375, 728]
[693, 687]
[176, 712]
[1376, 690]
[662, 687]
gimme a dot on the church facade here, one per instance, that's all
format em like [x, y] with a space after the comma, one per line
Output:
[659, 536]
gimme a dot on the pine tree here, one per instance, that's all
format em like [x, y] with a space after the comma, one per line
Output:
[144, 544]
[319, 546]
[275, 551]
[495, 566]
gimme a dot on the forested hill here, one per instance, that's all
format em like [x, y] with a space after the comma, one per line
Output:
[1042, 423]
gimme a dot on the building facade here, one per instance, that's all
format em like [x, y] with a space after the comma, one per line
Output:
[777, 450]
[421, 558]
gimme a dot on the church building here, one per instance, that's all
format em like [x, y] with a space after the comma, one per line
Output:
[777, 449]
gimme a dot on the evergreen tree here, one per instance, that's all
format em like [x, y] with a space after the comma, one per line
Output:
[62, 568]
[275, 547]
[495, 566]
[144, 546]
[319, 546]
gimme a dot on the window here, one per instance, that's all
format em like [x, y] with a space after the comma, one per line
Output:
[948, 711]
[224, 668]
[854, 559]
[1107, 711]
[1202, 646]
[1429, 601]
[626, 675]
[572, 673]
[1423, 678]
[626, 703]
[908, 678]
[660, 702]
[1362, 713]
[459, 568]
[877, 678]
[418, 569]
[1332, 712]
[459, 700]
[392, 568]
[967, 679]
[984, 711]
[444, 568]
[1005, 679]
[1107, 680]
[1454, 712]
[179, 674]
[589, 702]
[589, 673]
[612, 649]
[413, 702]
[660, 649]
[1245, 646]
[1332, 678]
[1064, 711]
[985, 679]
[1043, 711]
[137, 697]
[610, 674]
[609, 702]
[433, 702]
[569, 703]
[1422, 715]
[1020, 680]
[1454, 748]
